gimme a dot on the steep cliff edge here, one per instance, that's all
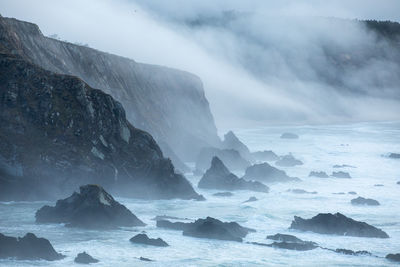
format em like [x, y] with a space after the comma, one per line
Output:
[58, 133]
[168, 103]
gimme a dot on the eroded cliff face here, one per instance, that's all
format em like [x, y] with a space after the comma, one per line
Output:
[168, 103]
[58, 133]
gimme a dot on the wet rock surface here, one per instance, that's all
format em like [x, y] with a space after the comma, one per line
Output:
[85, 258]
[337, 224]
[28, 247]
[393, 257]
[145, 240]
[92, 207]
[264, 172]
[219, 177]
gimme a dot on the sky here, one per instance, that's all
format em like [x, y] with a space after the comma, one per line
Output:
[265, 67]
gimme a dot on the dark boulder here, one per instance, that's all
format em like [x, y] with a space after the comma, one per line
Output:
[219, 177]
[144, 239]
[289, 136]
[394, 155]
[318, 174]
[341, 174]
[28, 247]
[223, 194]
[93, 207]
[393, 257]
[145, 259]
[288, 161]
[232, 142]
[266, 173]
[365, 201]
[232, 159]
[302, 191]
[85, 258]
[251, 199]
[209, 228]
[353, 253]
[337, 224]
[266, 155]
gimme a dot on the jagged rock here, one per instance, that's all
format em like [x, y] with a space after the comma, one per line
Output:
[231, 157]
[289, 136]
[251, 199]
[394, 155]
[343, 166]
[352, 193]
[288, 161]
[393, 257]
[302, 191]
[145, 259]
[144, 239]
[318, 174]
[168, 103]
[219, 177]
[93, 207]
[85, 258]
[351, 252]
[266, 155]
[232, 142]
[209, 228]
[341, 174]
[337, 224]
[365, 201]
[266, 173]
[28, 247]
[58, 133]
[223, 194]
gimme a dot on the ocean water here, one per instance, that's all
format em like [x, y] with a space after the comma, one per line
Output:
[361, 145]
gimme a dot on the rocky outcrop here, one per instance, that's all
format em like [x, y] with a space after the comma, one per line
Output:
[145, 240]
[340, 174]
[170, 104]
[232, 142]
[352, 252]
[28, 247]
[337, 224]
[266, 155]
[219, 177]
[93, 207]
[288, 161]
[289, 136]
[320, 174]
[365, 201]
[289, 242]
[223, 194]
[84, 258]
[209, 228]
[393, 257]
[264, 172]
[232, 159]
[58, 133]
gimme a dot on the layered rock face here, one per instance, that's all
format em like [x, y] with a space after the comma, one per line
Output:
[168, 103]
[58, 133]
[92, 207]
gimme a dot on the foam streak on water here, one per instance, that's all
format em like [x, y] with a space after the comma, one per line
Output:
[319, 147]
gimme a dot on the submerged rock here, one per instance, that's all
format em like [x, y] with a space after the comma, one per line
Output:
[289, 242]
[378, 185]
[353, 253]
[166, 217]
[219, 177]
[232, 142]
[93, 207]
[230, 157]
[289, 136]
[266, 155]
[394, 155]
[302, 191]
[251, 199]
[343, 166]
[284, 238]
[337, 224]
[144, 239]
[320, 174]
[209, 228]
[341, 174]
[288, 161]
[28, 247]
[223, 194]
[393, 257]
[145, 259]
[266, 173]
[85, 258]
[365, 201]
[352, 193]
